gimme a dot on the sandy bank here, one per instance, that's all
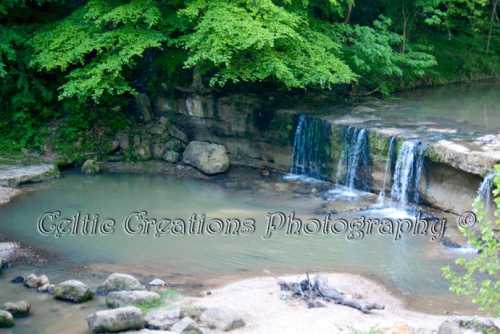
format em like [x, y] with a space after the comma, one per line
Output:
[266, 310]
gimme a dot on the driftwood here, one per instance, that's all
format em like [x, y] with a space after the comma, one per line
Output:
[312, 292]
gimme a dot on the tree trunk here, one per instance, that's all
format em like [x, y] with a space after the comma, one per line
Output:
[349, 12]
[492, 20]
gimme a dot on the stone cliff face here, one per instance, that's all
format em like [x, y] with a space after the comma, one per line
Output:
[256, 134]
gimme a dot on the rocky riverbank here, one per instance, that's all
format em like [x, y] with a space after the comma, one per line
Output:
[257, 305]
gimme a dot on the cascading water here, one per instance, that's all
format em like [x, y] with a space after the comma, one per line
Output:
[311, 147]
[353, 168]
[407, 173]
[485, 191]
[391, 152]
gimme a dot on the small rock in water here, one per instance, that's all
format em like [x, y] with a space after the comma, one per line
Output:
[123, 298]
[73, 291]
[119, 282]
[91, 167]
[225, 320]
[33, 281]
[158, 282]
[18, 309]
[186, 326]
[116, 320]
[6, 319]
[162, 319]
[17, 280]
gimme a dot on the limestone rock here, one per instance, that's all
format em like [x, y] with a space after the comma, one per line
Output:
[171, 156]
[33, 281]
[157, 282]
[18, 309]
[116, 320]
[225, 320]
[162, 319]
[143, 104]
[186, 326]
[12, 176]
[6, 319]
[73, 291]
[117, 299]
[178, 134]
[468, 325]
[208, 158]
[91, 167]
[119, 282]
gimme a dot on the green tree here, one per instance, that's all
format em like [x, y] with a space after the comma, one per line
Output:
[479, 277]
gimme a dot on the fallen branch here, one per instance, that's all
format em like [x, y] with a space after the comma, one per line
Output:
[311, 291]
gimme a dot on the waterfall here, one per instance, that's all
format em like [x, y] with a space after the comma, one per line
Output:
[407, 173]
[388, 168]
[311, 147]
[353, 168]
[485, 191]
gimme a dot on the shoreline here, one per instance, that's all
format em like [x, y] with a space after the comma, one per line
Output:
[278, 314]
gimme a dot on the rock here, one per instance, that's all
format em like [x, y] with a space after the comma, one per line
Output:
[157, 282]
[178, 134]
[217, 318]
[208, 158]
[468, 325]
[73, 291]
[18, 309]
[193, 312]
[171, 156]
[33, 281]
[12, 176]
[124, 141]
[194, 106]
[91, 167]
[17, 280]
[144, 106]
[119, 282]
[162, 319]
[143, 151]
[158, 150]
[6, 319]
[47, 288]
[7, 193]
[123, 298]
[186, 326]
[174, 144]
[116, 320]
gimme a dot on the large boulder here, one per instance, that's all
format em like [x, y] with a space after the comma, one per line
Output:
[208, 158]
[120, 282]
[73, 291]
[468, 325]
[221, 319]
[116, 320]
[135, 297]
[6, 319]
[18, 309]
[162, 319]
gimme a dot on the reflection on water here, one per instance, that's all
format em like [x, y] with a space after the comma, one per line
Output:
[403, 264]
[473, 105]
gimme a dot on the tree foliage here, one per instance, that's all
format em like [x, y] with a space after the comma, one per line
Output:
[479, 277]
